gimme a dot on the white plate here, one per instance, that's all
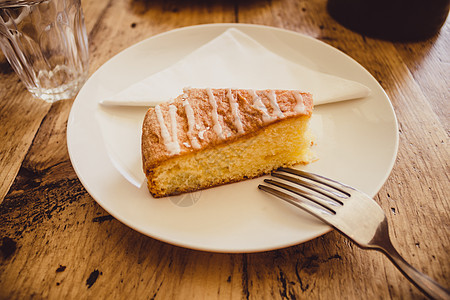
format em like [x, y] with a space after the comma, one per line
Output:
[356, 141]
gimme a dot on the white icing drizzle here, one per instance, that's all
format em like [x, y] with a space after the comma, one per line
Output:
[273, 101]
[300, 106]
[171, 142]
[217, 127]
[191, 124]
[173, 122]
[235, 112]
[164, 132]
[257, 103]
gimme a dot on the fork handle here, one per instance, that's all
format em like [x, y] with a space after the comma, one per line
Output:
[427, 285]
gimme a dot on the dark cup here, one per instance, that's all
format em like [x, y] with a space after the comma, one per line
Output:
[395, 20]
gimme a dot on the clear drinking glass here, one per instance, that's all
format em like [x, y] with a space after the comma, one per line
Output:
[45, 42]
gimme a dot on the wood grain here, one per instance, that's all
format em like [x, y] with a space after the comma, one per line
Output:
[57, 242]
[20, 117]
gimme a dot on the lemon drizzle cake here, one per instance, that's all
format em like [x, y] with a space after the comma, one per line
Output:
[208, 137]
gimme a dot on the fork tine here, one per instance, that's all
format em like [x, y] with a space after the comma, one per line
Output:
[342, 188]
[321, 189]
[318, 198]
[309, 206]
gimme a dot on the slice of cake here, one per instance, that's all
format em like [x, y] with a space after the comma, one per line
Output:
[208, 137]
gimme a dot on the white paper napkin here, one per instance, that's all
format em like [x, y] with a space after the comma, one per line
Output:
[235, 60]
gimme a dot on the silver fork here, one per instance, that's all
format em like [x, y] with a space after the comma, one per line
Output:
[352, 213]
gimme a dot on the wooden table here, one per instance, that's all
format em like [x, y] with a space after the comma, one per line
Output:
[56, 242]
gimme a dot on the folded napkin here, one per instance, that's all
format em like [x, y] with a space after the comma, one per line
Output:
[235, 60]
[232, 60]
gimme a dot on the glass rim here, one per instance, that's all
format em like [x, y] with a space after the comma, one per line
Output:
[18, 3]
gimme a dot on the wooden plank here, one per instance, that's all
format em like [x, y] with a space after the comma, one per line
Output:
[20, 117]
[428, 61]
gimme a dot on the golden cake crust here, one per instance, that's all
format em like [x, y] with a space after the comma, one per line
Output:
[193, 122]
